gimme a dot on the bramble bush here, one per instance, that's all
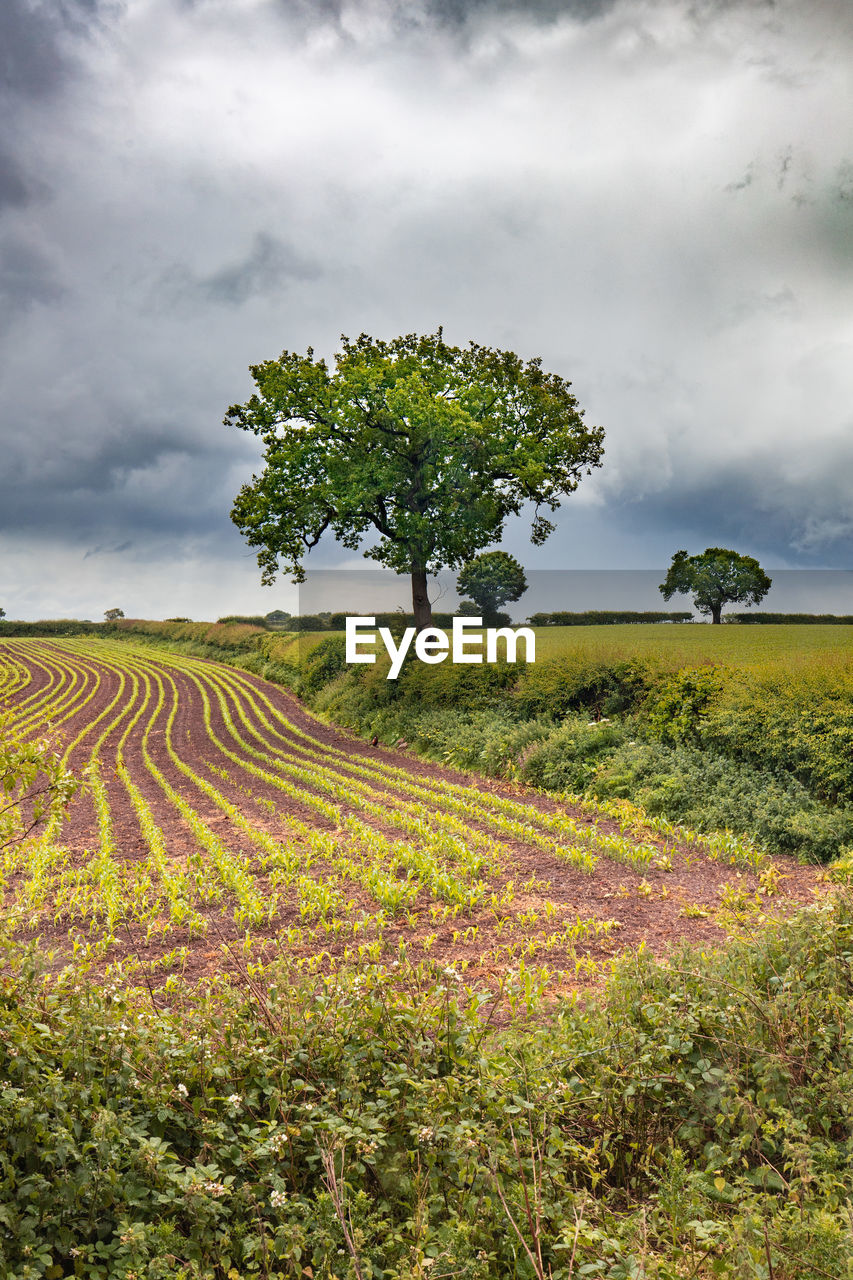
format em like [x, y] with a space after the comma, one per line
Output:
[696, 1119]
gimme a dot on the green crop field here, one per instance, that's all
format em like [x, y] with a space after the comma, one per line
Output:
[817, 648]
[278, 1003]
[215, 810]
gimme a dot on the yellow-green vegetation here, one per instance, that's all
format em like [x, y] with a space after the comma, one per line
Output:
[353, 1105]
[239, 818]
[696, 644]
[739, 728]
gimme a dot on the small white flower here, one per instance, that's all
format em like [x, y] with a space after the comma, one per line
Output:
[215, 1189]
[235, 1100]
[182, 1090]
[278, 1199]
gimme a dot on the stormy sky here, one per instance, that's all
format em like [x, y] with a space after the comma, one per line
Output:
[655, 196]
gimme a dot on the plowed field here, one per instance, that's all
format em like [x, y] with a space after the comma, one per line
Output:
[222, 824]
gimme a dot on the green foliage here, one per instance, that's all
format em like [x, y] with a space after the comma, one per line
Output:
[428, 445]
[695, 1120]
[712, 793]
[799, 722]
[797, 619]
[715, 578]
[602, 686]
[113, 615]
[674, 711]
[249, 620]
[491, 580]
[34, 784]
[325, 661]
[604, 617]
[52, 627]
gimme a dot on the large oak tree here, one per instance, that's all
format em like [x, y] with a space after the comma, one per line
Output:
[427, 445]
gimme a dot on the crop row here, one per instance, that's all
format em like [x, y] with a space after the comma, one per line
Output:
[241, 811]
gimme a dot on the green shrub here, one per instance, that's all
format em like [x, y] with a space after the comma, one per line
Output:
[709, 792]
[693, 1120]
[572, 755]
[674, 711]
[323, 663]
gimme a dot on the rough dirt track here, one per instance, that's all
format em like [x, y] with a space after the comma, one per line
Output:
[219, 806]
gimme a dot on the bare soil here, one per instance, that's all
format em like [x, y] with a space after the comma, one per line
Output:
[654, 908]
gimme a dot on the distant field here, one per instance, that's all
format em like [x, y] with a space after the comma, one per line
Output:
[693, 644]
[689, 644]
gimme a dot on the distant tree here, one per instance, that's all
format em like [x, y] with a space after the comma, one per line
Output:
[112, 615]
[715, 578]
[276, 615]
[429, 446]
[491, 580]
[2, 612]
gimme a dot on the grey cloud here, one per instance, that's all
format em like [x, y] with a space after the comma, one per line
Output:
[459, 12]
[37, 55]
[140, 478]
[547, 175]
[267, 269]
[755, 505]
[269, 264]
[26, 277]
[33, 64]
[109, 551]
[15, 190]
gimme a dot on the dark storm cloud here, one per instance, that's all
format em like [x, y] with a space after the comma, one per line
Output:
[36, 52]
[32, 61]
[400, 15]
[144, 479]
[457, 13]
[656, 196]
[267, 268]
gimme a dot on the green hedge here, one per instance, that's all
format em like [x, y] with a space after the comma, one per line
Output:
[694, 1122]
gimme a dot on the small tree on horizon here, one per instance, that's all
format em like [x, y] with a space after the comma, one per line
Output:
[430, 447]
[716, 577]
[491, 580]
[113, 615]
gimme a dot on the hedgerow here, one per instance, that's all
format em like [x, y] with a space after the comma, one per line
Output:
[698, 1120]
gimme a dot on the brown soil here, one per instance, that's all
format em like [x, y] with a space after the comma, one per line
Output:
[653, 907]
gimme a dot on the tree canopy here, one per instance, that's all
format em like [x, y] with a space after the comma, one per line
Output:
[714, 578]
[113, 615]
[492, 580]
[429, 446]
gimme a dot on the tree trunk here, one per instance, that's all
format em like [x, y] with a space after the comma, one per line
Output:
[421, 606]
[716, 610]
